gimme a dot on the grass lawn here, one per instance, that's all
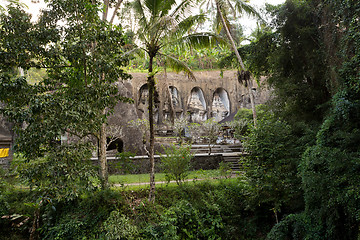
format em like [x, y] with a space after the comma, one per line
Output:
[239, 179]
[159, 177]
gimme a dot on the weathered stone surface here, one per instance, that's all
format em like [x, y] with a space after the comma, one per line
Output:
[123, 114]
[209, 90]
[210, 95]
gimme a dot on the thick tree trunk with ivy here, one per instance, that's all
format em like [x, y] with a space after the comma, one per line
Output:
[228, 34]
[151, 87]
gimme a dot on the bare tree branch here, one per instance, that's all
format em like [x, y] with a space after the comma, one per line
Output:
[117, 6]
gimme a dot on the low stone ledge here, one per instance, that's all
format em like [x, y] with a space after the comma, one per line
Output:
[141, 164]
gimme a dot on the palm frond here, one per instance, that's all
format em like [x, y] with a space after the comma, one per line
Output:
[218, 23]
[139, 11]
[159, 8]
[199, 40]
[182, 8]
[233, 10]
[185, 25]
[165, 24]
[153, 7]
[167, 5]
[135, 50]
[178, 66]
[243, 7]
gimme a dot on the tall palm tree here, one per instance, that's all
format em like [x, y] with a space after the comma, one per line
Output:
[224, 8]
[162, 23]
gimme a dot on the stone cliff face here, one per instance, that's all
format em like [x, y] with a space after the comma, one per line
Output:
[130, 138]
[210, 95]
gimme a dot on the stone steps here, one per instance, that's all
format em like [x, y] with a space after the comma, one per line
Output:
[216, 148]
[233, 161]
[231, 153]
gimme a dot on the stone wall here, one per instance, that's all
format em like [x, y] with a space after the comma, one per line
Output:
[140, 165]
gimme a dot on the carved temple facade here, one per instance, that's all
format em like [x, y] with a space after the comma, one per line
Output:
[211, 95]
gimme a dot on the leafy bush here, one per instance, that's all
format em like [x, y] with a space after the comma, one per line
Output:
[247, 114]
[183, 221]
[4, 206]
[225, 169]
[241, 128]
[243, 113]
[63, 174]
[118, 226]
[293, 226]
[69, 227]
[243, 120]
[176, 162]
[81, 218]
[227, 200]
[274, 154]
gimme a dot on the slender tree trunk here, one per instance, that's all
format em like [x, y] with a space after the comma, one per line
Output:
[102, 135]
[117, 6]
[102, 157]
[227, 31]
[249, 84]
[252, 101]
[151, 86]
[106, 10]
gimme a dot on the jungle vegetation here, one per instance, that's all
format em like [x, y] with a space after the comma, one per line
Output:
[301, 174]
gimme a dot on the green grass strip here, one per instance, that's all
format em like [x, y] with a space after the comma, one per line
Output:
[159, 177]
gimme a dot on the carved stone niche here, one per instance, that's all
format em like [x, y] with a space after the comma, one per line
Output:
[143, 104]
[220, 105]
[176, 103]
[197, 106]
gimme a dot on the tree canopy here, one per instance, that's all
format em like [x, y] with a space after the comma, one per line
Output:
[83, 59]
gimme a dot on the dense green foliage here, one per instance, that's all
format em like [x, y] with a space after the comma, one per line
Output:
[304, 158]
[301, 165]
[275, 152]
[331, 165]
[118, 226]
[83, 58]
[193, 211]
[175, 162]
